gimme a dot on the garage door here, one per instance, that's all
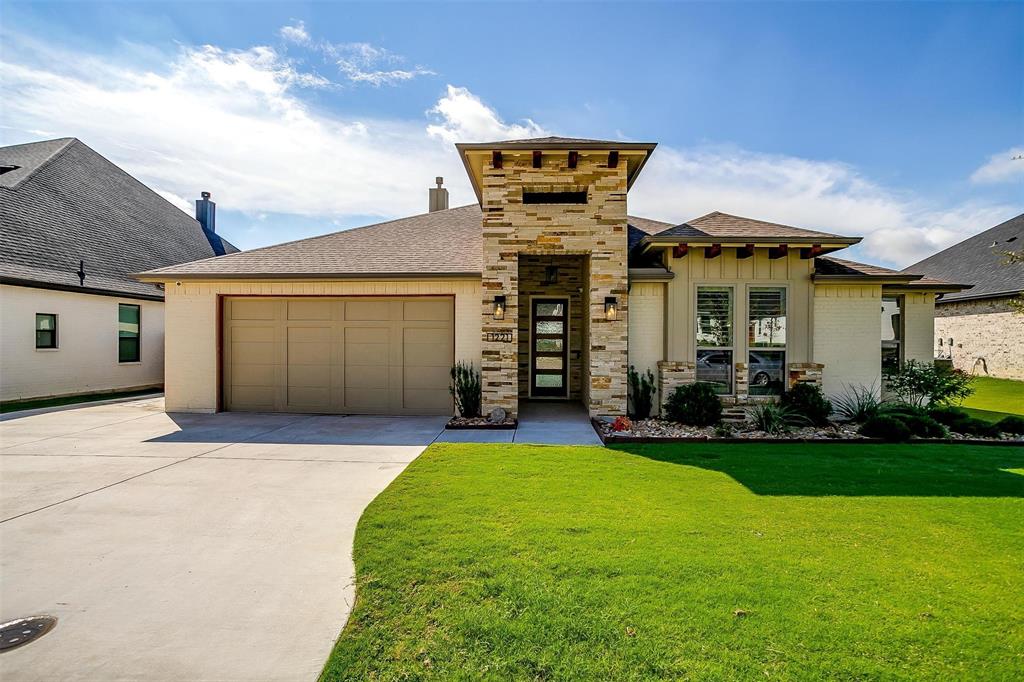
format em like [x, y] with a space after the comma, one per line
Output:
[338, 355]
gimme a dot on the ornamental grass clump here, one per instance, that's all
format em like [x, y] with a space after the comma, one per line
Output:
[466, 389]
[857, 404]
[641, 393]
[694, 404]
[775, 418]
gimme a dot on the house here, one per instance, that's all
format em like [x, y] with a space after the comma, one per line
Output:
[546, 285]
[73, 226]
[978, 328]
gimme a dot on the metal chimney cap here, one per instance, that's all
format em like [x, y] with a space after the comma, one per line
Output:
[439, 180]
[205, 195]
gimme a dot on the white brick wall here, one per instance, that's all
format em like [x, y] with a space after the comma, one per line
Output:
[919, 327]
[192, 324]
[988, 337]
[647, 327]
[846, 336]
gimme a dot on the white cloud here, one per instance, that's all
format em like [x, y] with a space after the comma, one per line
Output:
[295, 33]
[463, 117]
[898, 228]
[1002, 167]
[178, 201]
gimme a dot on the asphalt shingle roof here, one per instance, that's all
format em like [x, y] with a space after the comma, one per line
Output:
[66, 203]
[979, 260]
[446, 242]
[725, 226]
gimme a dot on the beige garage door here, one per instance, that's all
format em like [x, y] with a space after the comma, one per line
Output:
[338, 355]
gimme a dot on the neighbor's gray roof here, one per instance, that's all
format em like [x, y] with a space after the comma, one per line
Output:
[831, 268]
[731, 228]
[66, 203]
[432, 244]
[979, 260]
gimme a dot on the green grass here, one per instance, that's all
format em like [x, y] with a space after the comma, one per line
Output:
[17, 406]
[994, 399]
[704, 561]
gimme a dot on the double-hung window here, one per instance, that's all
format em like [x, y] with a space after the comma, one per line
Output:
[46, 331]
[715, 337]
[128, 328]
[766, 340]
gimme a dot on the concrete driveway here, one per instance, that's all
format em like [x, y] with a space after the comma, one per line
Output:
[187, 547]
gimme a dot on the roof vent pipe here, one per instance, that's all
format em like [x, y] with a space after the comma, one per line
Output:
[438, 196]
[206, 212]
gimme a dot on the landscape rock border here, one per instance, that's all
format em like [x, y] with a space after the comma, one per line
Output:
[482, 423]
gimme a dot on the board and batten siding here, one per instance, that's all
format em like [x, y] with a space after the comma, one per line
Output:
[847, 336]
[647, 328]
[193, 320]
[694, 270]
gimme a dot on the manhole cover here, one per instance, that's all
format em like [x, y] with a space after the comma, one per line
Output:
[22, 631]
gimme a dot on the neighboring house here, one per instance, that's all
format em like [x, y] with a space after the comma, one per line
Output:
[72, 227]
[978, 328]
[548, 287]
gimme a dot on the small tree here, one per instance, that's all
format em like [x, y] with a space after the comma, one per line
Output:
[923, 383]
[466, 389]
[641, 393]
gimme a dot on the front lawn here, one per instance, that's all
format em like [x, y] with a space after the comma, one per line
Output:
[994, 399]
[708, 561]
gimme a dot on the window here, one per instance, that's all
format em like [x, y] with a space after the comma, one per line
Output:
[554, 197]
[127, 333]
[46, 330]
[714, 337]
[892, 333]
[766, 340]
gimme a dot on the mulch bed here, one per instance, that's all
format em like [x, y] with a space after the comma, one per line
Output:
[480, 423]
[661, 431]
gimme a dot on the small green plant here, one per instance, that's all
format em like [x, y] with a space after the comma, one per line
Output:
[723, 430]
[775, 418]
[927, 383]
[959, 421]
[466, 389]
[694, 404]
[923, 426]
[808, 400]
[1012, 424]
[858, 404]
[641, 393]
[886, 427]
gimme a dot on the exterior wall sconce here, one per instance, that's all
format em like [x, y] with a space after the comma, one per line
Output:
[498, 311]
[611, 308]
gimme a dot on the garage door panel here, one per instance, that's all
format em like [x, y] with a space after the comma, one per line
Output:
[248, 334]
[254, 375]
[309, 354]
[368, 401]
[254, 309]
[367, 310]
[428, 400]
[427, 377]
[314, 398]
[310, 309]
[253, 354]
[366, 377]
[439, 311]
[253, 397]
[309, 375]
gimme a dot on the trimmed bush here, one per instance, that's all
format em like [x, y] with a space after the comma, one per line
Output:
[808, 400]
[641, 393]
[887, 428]
[924, 383]
[923, 426]
[1011, 424]
[959, 421]
[948, 415]
[694, 404]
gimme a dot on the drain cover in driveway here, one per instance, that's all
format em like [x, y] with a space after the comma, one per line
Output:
[22, 631]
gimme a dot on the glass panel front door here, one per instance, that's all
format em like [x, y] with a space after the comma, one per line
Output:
[549, 336]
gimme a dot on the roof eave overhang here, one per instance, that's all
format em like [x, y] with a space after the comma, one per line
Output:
[983, 296]
[944, 288]
[92, 291]
[305, 276]
[862, 279]
[828, 244]
[642, 149]
[650, 275]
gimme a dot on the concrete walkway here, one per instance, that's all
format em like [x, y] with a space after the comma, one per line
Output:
[186, 547]
[540, 423]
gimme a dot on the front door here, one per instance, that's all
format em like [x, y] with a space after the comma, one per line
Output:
[549, 352]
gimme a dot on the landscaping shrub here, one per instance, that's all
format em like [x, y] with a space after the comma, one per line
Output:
[948, 415]
[1012, 424]
[641, 393]
[923, 426]
[775, 418]
[885, 427]
[694, 404]
[959, 421]
[858, 404]
[923, 383]
[466, 389]
[808, 400]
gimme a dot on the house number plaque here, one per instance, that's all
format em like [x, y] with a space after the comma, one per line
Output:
[500, 337]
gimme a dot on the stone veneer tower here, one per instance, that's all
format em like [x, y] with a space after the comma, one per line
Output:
[575, 205]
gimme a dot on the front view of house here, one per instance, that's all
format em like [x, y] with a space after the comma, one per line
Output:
[547, 286]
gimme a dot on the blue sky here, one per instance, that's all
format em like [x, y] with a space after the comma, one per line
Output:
[899, 122]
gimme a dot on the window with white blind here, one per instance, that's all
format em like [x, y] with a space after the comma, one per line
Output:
[715, 337]
[766, 340]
